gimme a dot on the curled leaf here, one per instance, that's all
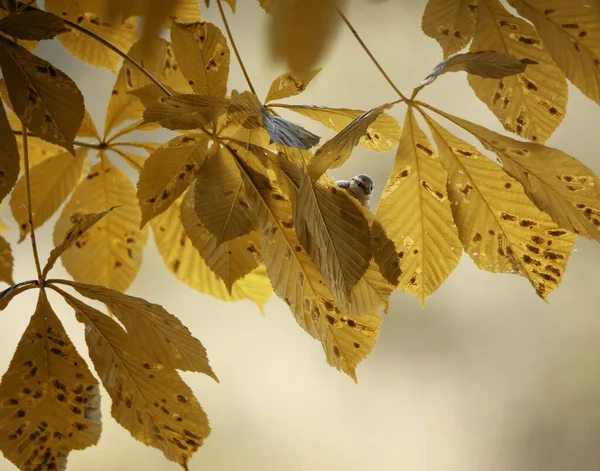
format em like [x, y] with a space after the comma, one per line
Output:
[183, 112]
[290, 84]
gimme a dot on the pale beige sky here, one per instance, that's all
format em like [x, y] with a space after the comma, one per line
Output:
[487, 377]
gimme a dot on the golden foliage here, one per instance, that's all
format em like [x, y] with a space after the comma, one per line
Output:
[239, 205]
[49, 398]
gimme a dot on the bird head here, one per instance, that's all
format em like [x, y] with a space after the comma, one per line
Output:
[362, 184]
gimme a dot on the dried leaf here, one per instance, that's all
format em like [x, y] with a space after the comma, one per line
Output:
[149, 399]
[556, 182]
[286, 133]
[531, 104]
[49, 400]
[161, 335]
[570, 32]
[9, 156]
[184, 112]
[498, 225]
[9, 294]
[335, 234]
[182, 258]
[122, 35]
[52, 181]
[415, 212]
[32, 25]
[46, 99]
[450, 22]
[221, 201]
[301, 31]
[161, 64]
[110, 254]
[337, 150]
[231, 260]
[6, 262]
[289, 84]
[486, 64]
[81, 224]
[168, 172]
[203, 55]
[382, 135]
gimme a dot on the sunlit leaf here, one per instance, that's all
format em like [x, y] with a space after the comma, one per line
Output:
[337, 150]
[415, 212]
[49, 400]
[168, 172]
[498, 225]
[570, 31]
[533, 103]
[80, 225]
[88, 128]
[184, 112]
[182, 258]
[290, 84]
[301, 31]
[382, 135]
[221, 201]
[161, 63]
[450, 22]
[121, 35]
[485, 64]
[32, 25]
[231, 260]
[110, 253]
[149, 399]
[52, 181]
[9, 156]
[45, 98]
[203, 55]
[160, 334]
[557, 183]
[6, 262]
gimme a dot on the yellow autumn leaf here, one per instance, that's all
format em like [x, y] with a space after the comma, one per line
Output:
[285, 133]
[181, 257]
[498, 225]
[124, 106]
[450, 22]
[81, 224]
[31, 24]
[267, 5]
[6, 262]
[570, 31]
[301, 30]
[160, 334]
[183, 112]
[337, 150]
[231, 260]
[52, 181]
[423, 229]
[45, 98]
[88, 128]
[168, 172]
[290, 84]
[346, 339]
[133, 160]
[203, 55]
[149, 399]
[9, 156]
[382, 135]
[49, 399]
[29, 45]
[221, 199]
[557, 183]
[121, 35]
[110, 253]
[531, 104]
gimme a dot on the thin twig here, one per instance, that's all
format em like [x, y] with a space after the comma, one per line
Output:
[235, 49]
[25, 5]
[36, 257]
[371, 56]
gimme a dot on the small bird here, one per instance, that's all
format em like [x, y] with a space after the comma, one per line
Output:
[359, 187]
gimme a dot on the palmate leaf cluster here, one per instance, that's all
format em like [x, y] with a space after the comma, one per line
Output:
[240, 204]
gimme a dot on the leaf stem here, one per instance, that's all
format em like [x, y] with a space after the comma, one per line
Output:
[371, 56]
[75, 142]
[235, 49]
[36, 257]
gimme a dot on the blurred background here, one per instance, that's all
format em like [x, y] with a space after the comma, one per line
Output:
[486, 377]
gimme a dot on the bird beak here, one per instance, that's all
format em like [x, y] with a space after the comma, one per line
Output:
[369, 191]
